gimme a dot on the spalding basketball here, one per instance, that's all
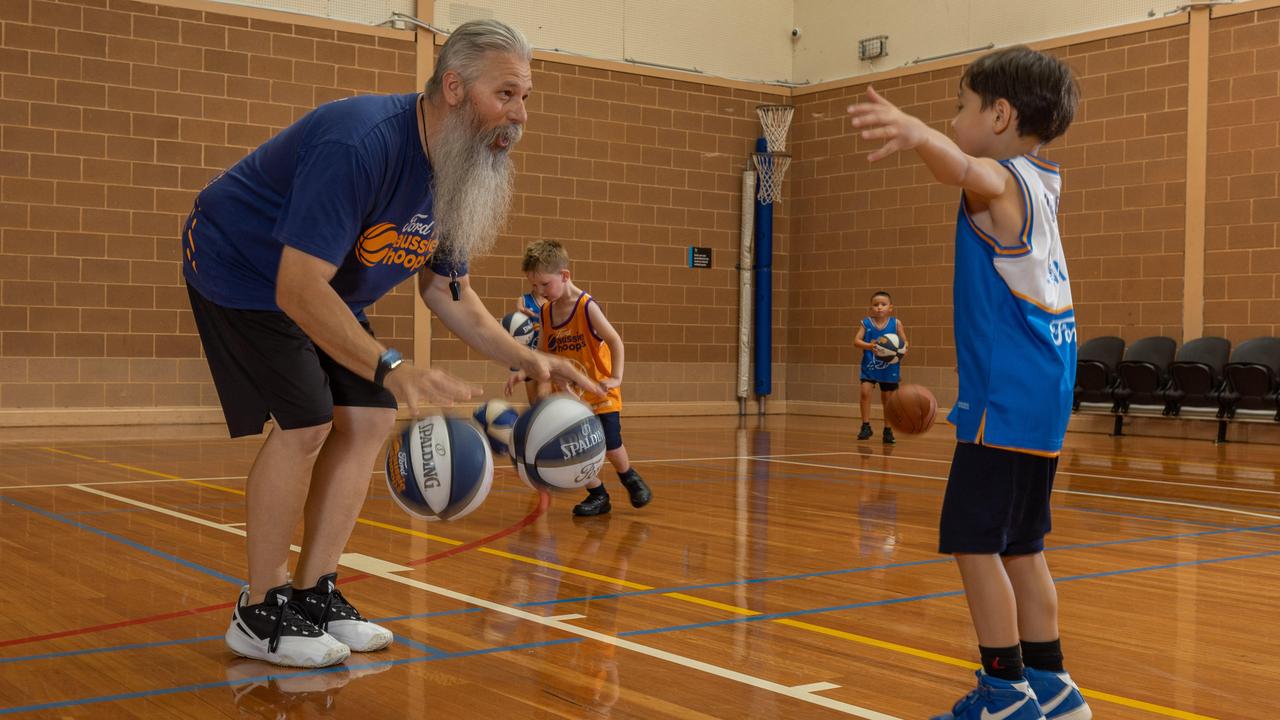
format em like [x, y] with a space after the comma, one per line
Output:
[910, 409]
[522, 328]
[498, 419]
[889, 347]
[558, 443]
[439, 468]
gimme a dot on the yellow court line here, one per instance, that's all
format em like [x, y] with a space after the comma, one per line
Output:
[799, 624]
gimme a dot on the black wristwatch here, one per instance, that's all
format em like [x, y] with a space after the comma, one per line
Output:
[387, 361]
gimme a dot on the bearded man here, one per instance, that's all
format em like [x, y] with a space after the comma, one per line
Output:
[281, 255]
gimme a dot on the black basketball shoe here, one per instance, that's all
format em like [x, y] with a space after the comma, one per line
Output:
[277, 631]
[637, 490]
[325, 606]
[593, 504]
[866, 432]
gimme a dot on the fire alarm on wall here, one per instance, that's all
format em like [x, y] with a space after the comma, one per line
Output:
[873, 47]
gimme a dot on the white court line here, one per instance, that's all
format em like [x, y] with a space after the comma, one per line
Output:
[1121, 478]
[117, 482]
[718, 671]
[566, 616]
[816, 687]
[765, 458]
[1127, 498]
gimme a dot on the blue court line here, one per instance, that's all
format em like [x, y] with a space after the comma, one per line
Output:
[425, 649]
[931, 596]
[587, 598]
[442, 655]
[123, 540]
[889, 566]
[196, 687]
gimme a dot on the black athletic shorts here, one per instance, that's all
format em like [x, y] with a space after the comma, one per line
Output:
[997, 502]
[612, 424]
[263, 366]
[885, 386]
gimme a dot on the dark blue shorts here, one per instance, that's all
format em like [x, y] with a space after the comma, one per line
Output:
[997, 502]
[885, 385]
[612, 424]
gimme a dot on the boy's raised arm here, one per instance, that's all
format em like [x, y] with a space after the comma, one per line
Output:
[879, 119]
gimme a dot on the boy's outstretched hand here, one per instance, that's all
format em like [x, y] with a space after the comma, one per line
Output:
[879, 119]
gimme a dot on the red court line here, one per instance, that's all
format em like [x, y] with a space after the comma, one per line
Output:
[544, 501]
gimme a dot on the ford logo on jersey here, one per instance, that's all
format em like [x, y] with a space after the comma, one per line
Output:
[1061, 331]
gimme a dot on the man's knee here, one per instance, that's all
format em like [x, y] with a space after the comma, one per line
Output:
[306, 441]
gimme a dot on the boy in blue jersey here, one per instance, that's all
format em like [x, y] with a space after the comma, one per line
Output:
[880, 365]
[1016, 358]
[282, 254]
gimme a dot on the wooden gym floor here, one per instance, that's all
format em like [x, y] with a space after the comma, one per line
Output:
[784, 570]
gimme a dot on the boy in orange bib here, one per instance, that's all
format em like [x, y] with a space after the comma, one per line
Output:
[574, 327]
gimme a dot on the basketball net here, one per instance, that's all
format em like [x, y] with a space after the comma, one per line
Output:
[771, 167]
[775, 119]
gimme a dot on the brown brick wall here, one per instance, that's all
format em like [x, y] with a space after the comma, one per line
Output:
[112, 115]
[1242, 253]
[628, 171]
[857, 228]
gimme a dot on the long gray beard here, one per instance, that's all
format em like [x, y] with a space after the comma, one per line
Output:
[472, 183]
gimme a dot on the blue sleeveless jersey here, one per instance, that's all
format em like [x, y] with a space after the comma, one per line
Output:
[347, 183]
[529, 304]
[1015, 329]
[875, 367]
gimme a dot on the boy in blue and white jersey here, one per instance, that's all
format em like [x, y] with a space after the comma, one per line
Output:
[880, 364]
[1016, 358]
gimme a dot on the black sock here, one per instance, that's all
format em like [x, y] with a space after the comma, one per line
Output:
[1043, 655]
[597, 490]
[626, 475]
[1004, 663]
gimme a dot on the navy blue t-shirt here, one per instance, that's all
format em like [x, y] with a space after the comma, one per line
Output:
[347, 183]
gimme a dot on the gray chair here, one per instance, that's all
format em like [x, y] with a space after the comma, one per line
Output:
[1096, 374]
[1144, 373]
[1252, 378]
[1196, 376]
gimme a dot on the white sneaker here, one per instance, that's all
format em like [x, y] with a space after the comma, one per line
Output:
[276, 631]
[329, 611]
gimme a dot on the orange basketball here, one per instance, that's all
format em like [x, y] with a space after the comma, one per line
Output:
[910, 409]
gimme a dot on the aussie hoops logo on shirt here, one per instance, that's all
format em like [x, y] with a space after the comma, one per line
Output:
[411, 246]
[564, 342]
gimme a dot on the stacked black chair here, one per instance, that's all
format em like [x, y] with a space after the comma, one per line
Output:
[1196, 375]
[1096, 374]
[1144, 373]
[1252, 378]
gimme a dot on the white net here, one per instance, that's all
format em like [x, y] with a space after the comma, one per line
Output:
[771, 167]
[775, 119]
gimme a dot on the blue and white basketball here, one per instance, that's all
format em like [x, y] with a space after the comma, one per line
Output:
[889, 347]
[498, 419]
[440, 468]
[522, 328]
[558, 444]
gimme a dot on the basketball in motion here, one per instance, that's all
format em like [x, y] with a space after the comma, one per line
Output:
[439, 468]
[910, 409]
[558, 444]
[522, 328]
[498, 419]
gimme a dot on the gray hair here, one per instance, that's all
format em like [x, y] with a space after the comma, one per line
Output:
[467, 45]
